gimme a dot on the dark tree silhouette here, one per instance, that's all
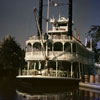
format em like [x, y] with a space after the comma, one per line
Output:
[94, 32]
[11, 56]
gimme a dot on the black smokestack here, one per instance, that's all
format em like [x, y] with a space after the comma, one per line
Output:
[40, 14]
[70, 19]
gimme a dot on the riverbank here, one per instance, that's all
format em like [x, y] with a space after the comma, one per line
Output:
[90, 82]
[90, 85]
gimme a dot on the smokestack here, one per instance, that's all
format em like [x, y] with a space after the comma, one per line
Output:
[70, 19]
[40, 14]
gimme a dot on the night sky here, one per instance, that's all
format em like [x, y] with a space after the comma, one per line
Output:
[17, 18]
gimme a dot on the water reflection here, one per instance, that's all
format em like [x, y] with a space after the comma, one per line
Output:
[89, 94]
[49, 96]
[10, 91]
[66, 94]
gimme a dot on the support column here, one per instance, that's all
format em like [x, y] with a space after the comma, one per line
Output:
[56, 68]
[76, 49]
[71, 48]
[52, 47]
[39, 68]
[46, 48]
[39, 65]
[63, 47]
[79, 70]
[71, 69]
[34, 66]
[28, 67]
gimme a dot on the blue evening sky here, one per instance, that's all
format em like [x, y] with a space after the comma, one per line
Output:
[17, 18]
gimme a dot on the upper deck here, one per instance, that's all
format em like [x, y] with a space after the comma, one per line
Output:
[60, 45]
[59, 26]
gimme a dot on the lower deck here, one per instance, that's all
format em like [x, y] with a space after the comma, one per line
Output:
[56, 68]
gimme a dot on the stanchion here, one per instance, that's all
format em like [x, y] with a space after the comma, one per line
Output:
[96, 78]
[92, 79]
[86, 78]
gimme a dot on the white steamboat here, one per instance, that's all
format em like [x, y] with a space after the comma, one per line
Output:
[56, 58]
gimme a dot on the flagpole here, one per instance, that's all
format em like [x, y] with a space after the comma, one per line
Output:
[48, 7]
[47, 26]
[70, 19]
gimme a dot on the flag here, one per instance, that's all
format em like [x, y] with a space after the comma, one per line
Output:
[86, 41]
[91, 43]
[78, 37]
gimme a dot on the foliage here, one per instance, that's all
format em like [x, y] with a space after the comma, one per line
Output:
[94, 33]
[11, 55]
[91, 70]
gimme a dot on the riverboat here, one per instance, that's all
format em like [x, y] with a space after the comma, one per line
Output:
[56, 58]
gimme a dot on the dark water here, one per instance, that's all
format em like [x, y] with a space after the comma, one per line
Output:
[10, 91]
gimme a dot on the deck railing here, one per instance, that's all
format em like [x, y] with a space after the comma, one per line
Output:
[51, 55]
[53, 37]
[45, 73]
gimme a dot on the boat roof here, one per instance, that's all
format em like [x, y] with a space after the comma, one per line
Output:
[60, 20]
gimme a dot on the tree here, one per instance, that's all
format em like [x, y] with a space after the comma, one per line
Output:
[11, 55]
[94, 33]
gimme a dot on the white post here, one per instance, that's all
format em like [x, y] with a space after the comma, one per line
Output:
[47, 33]
[39, 65]
[56, 68]
[46, 49]
[34, 66]
[76, 50]
[63, 47]
[28, 66]
[71, 48]
[71, 69]
[86, 41]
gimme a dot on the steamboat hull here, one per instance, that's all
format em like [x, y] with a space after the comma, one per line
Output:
[47, 82]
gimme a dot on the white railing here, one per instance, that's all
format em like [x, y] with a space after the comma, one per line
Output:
[56, 37]
[51, 73]
[57, 55]
[52, 37]
[49, 53]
